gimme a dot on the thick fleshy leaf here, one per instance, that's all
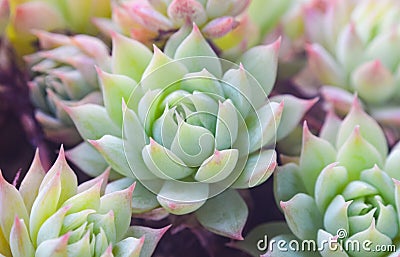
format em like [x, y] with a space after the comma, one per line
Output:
[335, 218]
[12, 205]
[374, 236]
[350, 48]
[92, 121]
[45, 204]
[81, 247]
[360, 223]
[30, 185]
[163, 163]
[20, 243]
[89, 160]
[236, 86]
[263, 125]
[121, 203]
[162, 72]
[142, 199]
[293, 111]
[129, 57]
[202, 81]
[181, 198]
[115, 88]
[227, 125]
[218, 166]
[68, 178]
[373, 82]
[129, 247]
[88, 199]
[330, 127]
[340, 99]
[136, 140]
[76, 221]
[324, 66]
[54, 247]
[258, 169]
[381, 181]
[386, 218]
[151, 238]
[302, 215]
[103, 179]
[111, 148]
[368, 127]
[324, 239]
[219, 27]
[198, 54]
[262, 63]
[165, 128]
[330, 183]
[106, 223]
[357, 154]
[385, 48]
[51, 228]
[187, 11]
[192, 144]
[287, 182]
[392, 164]
[224, 214]
[316, 154]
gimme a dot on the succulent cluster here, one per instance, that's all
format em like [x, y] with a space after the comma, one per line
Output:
[63, 73]
[189, 129]
[50, 215]
[357, 53]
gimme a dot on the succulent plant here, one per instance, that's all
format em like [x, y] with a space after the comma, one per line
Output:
[50, 215]
[154, 21]
[344, 188]
[357, 53]
[63, 73]
[192, 126]
[51, 15]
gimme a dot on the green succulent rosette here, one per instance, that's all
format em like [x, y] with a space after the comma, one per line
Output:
[342, 195]
[188, 129]
[63, 73]
[357, 52]
[50, 215]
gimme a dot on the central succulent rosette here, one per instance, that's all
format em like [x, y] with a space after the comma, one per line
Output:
[190, 127]
[343, 194]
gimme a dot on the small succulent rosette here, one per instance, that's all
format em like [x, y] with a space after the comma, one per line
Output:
[343, 194]
[150, 21]
[50, 215]
[357, 51]
[51, 15]
[188, 128]
[63, 73]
